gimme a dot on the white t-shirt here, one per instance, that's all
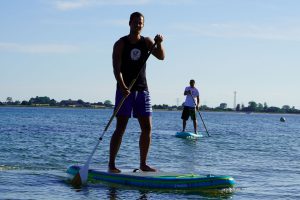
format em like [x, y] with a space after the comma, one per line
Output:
[189, 100]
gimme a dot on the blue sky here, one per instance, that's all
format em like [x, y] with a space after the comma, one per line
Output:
[62, 49]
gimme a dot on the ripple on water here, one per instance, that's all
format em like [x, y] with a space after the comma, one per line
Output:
[36, 145]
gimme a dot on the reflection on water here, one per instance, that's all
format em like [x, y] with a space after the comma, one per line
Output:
[115, 193]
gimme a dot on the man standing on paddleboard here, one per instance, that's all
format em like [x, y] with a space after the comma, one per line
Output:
[190, 105]
[129, 64]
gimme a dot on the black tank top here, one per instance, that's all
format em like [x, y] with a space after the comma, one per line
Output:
[133, 57]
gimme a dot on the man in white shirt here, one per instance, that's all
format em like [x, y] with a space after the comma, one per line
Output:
[191, 103]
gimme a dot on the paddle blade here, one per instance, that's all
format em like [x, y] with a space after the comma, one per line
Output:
[81, 177]
[76, 181]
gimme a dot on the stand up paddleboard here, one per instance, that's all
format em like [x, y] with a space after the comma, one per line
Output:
[188, 135]
[158, 180]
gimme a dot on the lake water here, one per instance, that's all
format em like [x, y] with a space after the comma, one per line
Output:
[38, 144]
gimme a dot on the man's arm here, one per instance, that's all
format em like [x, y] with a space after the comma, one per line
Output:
[187, 92]
[158, 51]
[117, 61]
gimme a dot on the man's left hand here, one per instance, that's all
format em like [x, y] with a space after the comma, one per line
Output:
[158, 39]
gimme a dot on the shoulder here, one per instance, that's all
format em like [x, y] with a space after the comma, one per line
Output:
[119, 44]
[121, 41]
[194, 89]
[187, 88]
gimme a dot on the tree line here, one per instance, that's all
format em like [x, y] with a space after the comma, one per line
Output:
[259, 107]
[252, 105]
[46, 101]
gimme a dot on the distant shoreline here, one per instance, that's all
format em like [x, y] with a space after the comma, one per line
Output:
[45, 101]
[155, 109]
[48, 106]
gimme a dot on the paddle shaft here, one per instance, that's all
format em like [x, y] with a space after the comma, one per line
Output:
[200, 114]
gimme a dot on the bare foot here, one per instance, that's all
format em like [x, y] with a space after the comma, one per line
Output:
[114, 170]
[146, 168]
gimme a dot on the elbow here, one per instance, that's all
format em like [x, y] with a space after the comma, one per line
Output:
[162, 57]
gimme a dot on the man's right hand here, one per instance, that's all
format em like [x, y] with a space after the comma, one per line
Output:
[125, 92]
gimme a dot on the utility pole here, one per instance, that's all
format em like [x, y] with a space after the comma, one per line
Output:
[234, 100]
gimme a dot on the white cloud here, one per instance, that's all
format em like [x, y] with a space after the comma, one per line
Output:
[70, 5]
[231, 30]
[65, 5]
[77, 4]
[38, 48]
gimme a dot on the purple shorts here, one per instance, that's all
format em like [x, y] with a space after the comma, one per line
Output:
[138, 101]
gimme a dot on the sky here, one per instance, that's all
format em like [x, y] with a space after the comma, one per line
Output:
[63, 49]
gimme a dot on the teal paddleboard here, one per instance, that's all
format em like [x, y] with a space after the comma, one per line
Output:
[158, 180]
[188, 135]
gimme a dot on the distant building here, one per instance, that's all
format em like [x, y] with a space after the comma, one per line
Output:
[223, 105]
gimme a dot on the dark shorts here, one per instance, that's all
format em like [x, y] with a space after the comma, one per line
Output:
[187, 112]
[138, 103]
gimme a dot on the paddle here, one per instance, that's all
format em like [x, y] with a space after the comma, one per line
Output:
[200, 114]
[82, 176]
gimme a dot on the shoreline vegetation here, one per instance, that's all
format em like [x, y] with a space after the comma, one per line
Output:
[107, 104]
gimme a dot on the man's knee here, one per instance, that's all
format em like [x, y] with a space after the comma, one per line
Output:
[118, 133]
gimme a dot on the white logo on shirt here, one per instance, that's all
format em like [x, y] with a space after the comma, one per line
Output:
[135, 54]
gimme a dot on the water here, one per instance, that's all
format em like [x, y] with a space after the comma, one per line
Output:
[38, 144]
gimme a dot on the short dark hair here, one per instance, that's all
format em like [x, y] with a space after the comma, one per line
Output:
[135, 14]
[192, 80]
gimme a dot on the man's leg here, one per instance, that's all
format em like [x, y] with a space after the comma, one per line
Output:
[195, 125]
[145, 141]
[183, 125]
[115, 143]
[184, 117]
[193, 116]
